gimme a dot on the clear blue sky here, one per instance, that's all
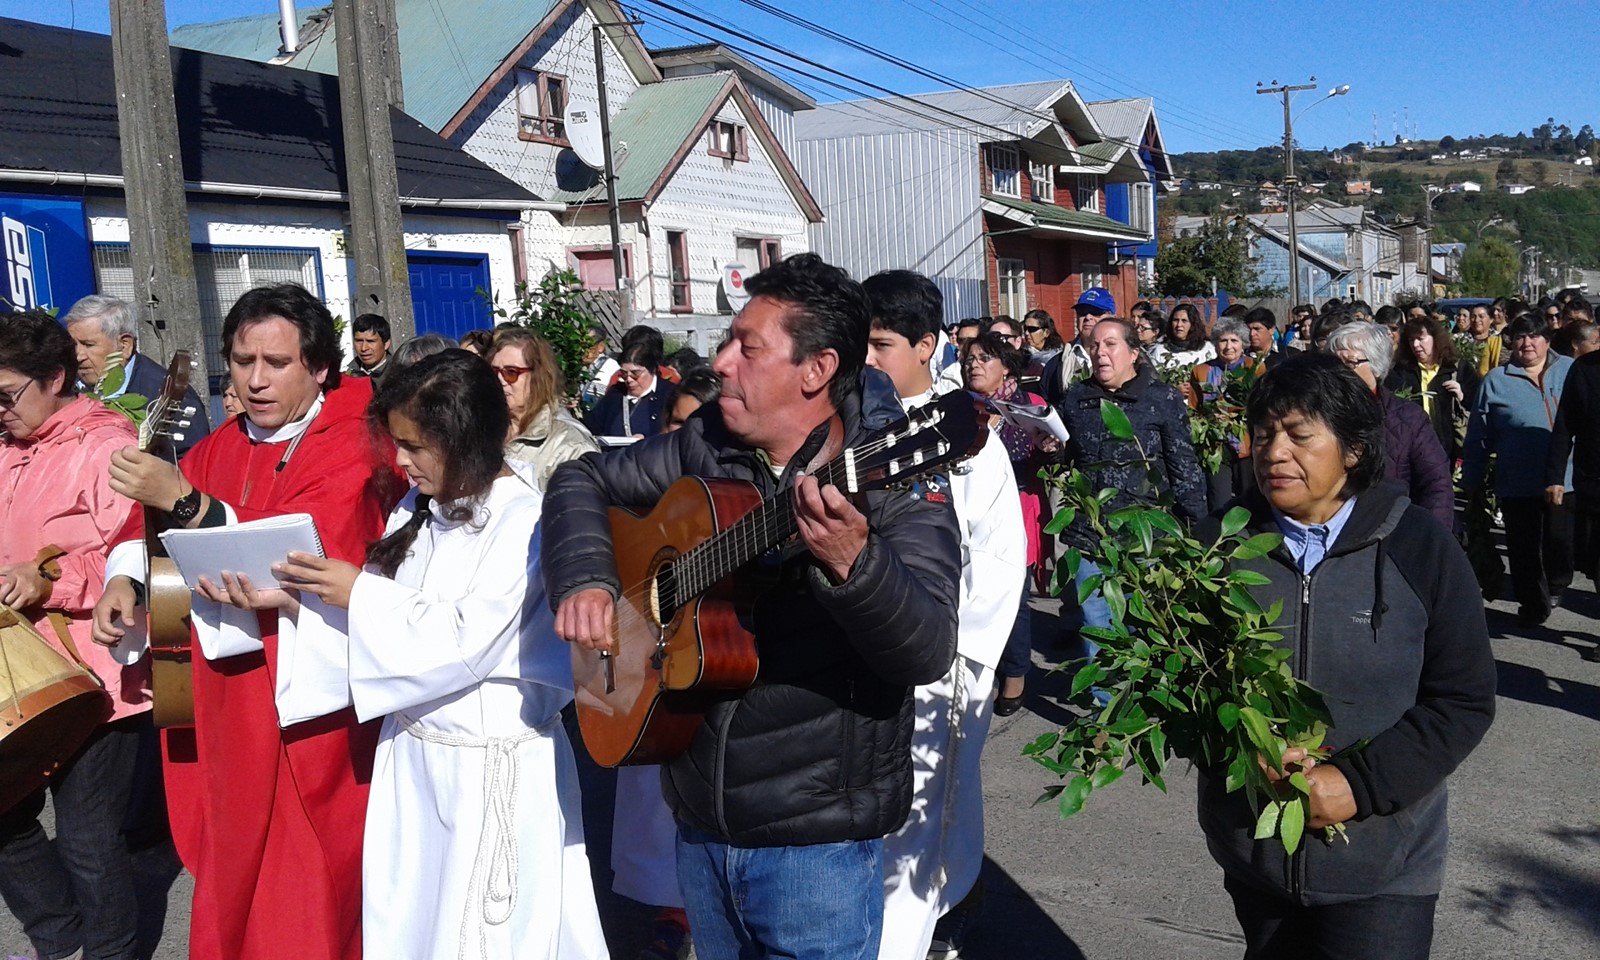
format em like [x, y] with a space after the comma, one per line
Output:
[1471, 66]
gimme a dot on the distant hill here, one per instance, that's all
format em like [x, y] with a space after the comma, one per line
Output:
[1560, 215]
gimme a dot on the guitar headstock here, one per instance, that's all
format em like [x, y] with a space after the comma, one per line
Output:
[167, 413]
[948, 430]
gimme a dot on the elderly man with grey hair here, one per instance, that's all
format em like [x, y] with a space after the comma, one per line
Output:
[1411, 451]
[103, 328]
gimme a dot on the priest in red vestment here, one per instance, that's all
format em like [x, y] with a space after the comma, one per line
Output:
[269, 821]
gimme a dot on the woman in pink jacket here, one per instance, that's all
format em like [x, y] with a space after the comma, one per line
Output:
[77, 894]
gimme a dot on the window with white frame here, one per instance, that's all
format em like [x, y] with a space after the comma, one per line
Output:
[1142, 207]
[1043, 176]
[1005, 176]
[1013, 287]
[1091, 275]
[1089, 192]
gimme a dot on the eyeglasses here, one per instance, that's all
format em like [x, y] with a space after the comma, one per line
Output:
[635, 373]
[1353, 362]
[1011, 336]
[512, 374]
[9, 400]
[1032, 329]
[973, 358]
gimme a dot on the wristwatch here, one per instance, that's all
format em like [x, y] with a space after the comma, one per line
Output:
[186, 508]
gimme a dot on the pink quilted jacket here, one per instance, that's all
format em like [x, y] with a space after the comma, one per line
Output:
[54, 490]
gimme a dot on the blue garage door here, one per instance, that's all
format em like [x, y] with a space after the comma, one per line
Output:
[444, 292]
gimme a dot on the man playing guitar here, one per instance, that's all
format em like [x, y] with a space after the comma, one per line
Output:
[789, 786]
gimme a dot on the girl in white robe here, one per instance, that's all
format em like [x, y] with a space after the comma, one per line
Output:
[474, 839]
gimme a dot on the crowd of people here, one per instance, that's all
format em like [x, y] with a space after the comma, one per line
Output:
[378, 764]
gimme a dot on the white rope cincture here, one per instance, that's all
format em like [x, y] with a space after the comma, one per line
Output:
[493, 884]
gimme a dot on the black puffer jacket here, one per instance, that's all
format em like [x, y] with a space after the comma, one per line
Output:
[819, 750]
[1390, 627]
[1160, 421]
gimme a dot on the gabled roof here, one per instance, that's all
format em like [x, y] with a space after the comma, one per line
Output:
[662, 122]
[1128, 121]
[1049, 113]
[719, 57]
[1048, 217]
[446, 59]
[241, 126]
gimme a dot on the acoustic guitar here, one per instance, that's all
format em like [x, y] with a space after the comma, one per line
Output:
[166, 594]
[682, 637]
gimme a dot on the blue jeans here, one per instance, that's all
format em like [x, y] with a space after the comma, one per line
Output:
[818, 902]
[78, 891]
[1096, 613]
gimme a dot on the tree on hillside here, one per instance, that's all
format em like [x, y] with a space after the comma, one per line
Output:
[1541, 173]
[1186, 266]
[1490, 268]
[1447, 143]
[1584, 139]
[1506, 172]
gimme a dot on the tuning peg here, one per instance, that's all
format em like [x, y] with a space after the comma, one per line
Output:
[177, 438]
[185, 421]
[188, 411]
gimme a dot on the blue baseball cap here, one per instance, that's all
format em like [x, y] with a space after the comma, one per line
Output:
[1098, 299]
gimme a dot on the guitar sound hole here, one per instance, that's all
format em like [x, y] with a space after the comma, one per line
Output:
[666, 593]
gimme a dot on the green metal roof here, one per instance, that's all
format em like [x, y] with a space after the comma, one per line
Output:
[654, 124]
[443, 60]
[1050, 215]
[1105, 151]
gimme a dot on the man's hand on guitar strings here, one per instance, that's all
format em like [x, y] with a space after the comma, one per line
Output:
[586, 618]
[146, 478]
[113, 615]
[833, 529]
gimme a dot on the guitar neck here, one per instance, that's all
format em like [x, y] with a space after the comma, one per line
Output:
[747, 538]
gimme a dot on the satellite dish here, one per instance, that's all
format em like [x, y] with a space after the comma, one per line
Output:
[733, 276]
[583, 132]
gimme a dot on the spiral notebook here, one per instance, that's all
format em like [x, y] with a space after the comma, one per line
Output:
[248, 548]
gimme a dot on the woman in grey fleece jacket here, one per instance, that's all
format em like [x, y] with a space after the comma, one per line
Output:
[1382, 615]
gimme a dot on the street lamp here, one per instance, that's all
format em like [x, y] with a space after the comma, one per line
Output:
[1290, 183]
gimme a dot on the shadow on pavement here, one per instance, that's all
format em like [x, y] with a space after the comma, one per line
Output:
[1531, 685]
[1011, 924]
[1545, 883]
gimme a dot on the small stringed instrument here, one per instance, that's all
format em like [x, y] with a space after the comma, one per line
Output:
[682, 637]
[166, 594]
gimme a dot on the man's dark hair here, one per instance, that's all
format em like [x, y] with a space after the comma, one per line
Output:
[1331, 305]
[1569, 294]
[319, 344]
[1321, 387]
[686, 361]
[1389, 316]
[827, 311]
[371, 323]
[36, 346]
[1577, 309]
[456, 400]
[1016, 328]
[1328, 322]
[904, 302]
[1527, 324]
[1361, 307]
[479, 340]
[1262, 316]
[1235, 310]
[1580, 331]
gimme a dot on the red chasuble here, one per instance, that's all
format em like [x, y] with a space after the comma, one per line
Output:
[269, 821]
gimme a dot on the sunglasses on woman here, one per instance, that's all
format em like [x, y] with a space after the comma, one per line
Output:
[512, 374]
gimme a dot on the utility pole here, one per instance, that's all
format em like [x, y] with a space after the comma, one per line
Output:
[1291, 186]
[159, 246]
[369, 83]
[617, 266]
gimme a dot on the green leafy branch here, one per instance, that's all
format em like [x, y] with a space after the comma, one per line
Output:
[131, 405]
[1192, 664]
[555, 310]
[1218, 425]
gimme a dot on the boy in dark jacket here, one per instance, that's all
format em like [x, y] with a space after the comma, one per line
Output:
[788, 787]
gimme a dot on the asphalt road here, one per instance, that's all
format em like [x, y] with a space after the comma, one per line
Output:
[1129, 877]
